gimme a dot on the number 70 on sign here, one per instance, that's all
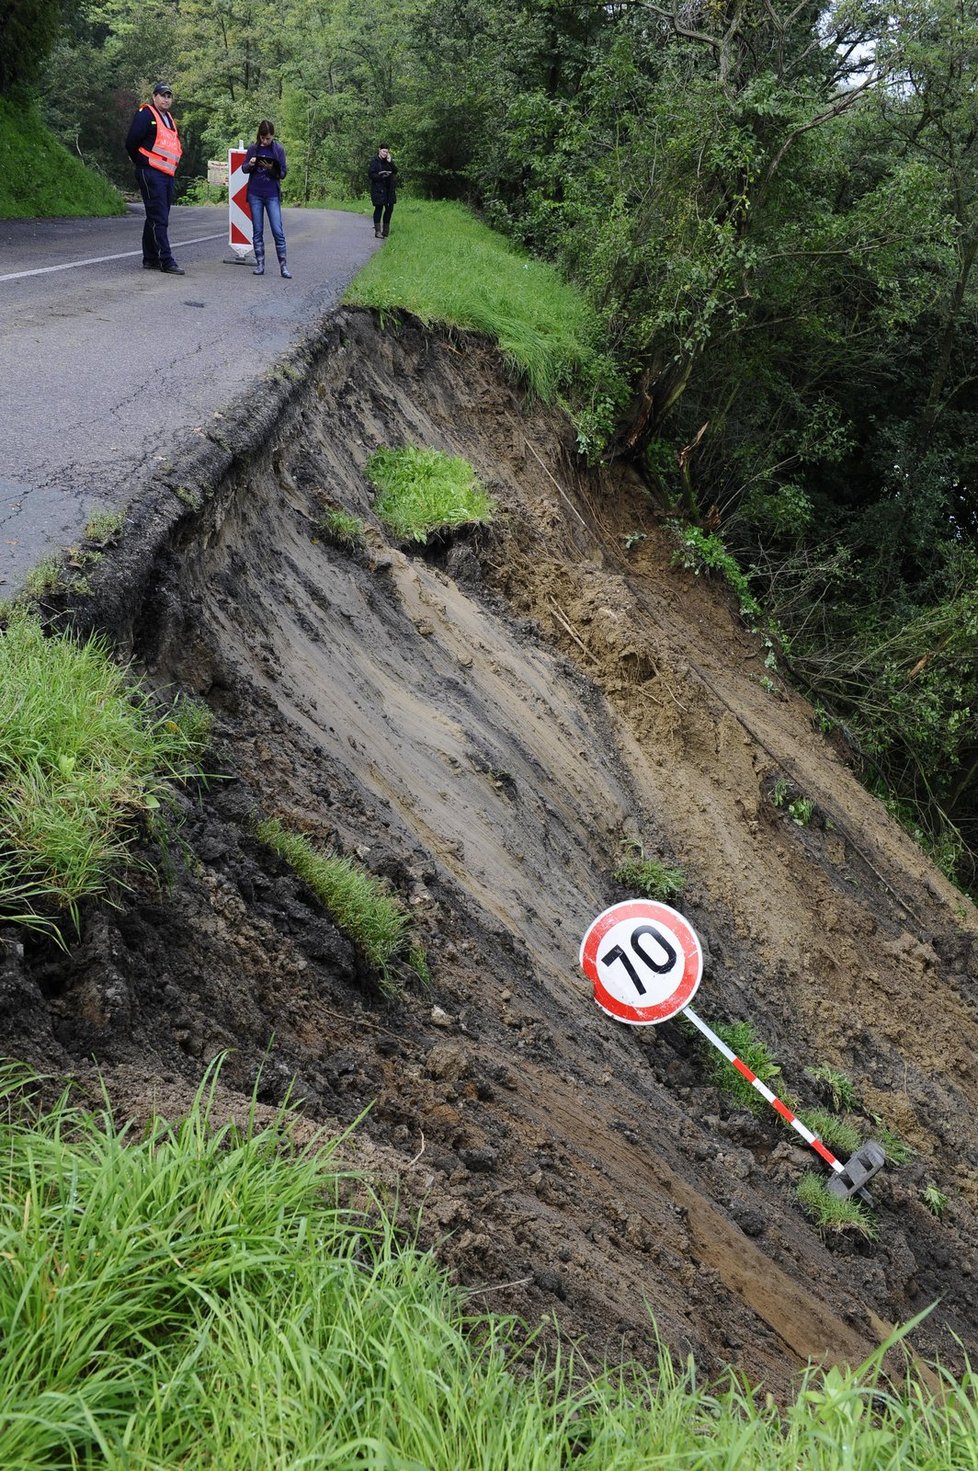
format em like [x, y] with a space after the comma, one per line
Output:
[645, 963]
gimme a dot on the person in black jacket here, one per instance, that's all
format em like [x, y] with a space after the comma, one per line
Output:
[154, 147]
[382, 171]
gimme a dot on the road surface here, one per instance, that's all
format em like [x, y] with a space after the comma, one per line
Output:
[107, 367]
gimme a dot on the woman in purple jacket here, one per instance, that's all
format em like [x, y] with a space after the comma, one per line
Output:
[265, 165]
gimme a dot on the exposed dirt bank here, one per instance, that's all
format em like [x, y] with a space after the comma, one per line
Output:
[484, 723]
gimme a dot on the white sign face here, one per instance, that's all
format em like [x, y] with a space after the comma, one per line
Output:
[643, 960]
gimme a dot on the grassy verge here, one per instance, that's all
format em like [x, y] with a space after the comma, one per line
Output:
[83, 758]
[444, 266]
[39, 178]
[203, 1297]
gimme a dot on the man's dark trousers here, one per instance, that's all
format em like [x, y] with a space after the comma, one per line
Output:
[156, 189]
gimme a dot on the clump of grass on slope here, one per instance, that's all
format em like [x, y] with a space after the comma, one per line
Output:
[741, 1038]
[444, 266]
[83, 756]
[648, 876]
[361, 905]
[839, 1134]
[200, 1297]
[834, 1213]
[39, 177]
[423, 491]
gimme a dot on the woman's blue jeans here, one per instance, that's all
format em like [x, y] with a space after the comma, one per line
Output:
[274, 208]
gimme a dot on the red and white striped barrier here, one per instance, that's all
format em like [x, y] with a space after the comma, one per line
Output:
[239, 215]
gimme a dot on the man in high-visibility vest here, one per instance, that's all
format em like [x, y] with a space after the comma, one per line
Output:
[154, 147]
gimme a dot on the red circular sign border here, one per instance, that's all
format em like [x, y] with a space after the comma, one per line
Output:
[692, 955]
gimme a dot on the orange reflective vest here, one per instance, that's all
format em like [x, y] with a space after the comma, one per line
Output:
[166, 150]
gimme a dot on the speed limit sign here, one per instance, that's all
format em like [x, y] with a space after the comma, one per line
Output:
[643, 960]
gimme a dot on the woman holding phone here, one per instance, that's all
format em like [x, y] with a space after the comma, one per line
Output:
[265, 165]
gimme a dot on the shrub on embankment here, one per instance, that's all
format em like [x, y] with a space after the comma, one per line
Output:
[39, 178]
[222, 1297]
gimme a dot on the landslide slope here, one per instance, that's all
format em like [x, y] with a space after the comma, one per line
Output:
[484, 722]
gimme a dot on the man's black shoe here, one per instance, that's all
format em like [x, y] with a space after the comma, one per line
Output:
[172, 269]
[151, 265]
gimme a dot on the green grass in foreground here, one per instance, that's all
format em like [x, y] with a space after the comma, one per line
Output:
[444, 266]
[201, 1297]
[40, 178]
[83, 756]
[424, 491]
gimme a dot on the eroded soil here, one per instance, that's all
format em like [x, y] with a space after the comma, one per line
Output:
[484, 722]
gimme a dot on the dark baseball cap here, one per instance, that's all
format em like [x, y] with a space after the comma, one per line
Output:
[163, 88]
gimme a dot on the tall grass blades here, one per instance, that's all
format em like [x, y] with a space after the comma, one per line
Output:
[201, 1297]
[83, 755]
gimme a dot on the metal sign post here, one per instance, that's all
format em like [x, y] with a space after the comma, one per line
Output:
[645, 964]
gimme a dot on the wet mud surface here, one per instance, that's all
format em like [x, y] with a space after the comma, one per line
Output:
[484, 722]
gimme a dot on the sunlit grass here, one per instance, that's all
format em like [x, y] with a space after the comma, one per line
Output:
[206, 1296]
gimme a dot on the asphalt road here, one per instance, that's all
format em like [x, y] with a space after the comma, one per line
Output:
[107, 367]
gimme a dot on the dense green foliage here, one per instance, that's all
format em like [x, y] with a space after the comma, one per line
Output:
[218, 1296]
[38, 176]
[28, 30]
[83, 756]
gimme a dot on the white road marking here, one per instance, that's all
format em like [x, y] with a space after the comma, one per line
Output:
[97, 260]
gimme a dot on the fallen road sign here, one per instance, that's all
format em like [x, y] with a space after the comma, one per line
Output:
[645, 962]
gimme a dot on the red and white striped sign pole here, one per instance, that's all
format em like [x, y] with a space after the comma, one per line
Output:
[645, 963]
[764, 1091]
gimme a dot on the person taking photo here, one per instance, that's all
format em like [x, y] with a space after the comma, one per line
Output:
[382, 172]
[265, 165]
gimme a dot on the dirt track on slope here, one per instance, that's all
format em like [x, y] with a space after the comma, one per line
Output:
[484, 722]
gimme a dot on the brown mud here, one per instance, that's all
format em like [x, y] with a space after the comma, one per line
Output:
[484, 722]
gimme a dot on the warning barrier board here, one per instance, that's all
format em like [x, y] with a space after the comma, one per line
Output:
[239, 215]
